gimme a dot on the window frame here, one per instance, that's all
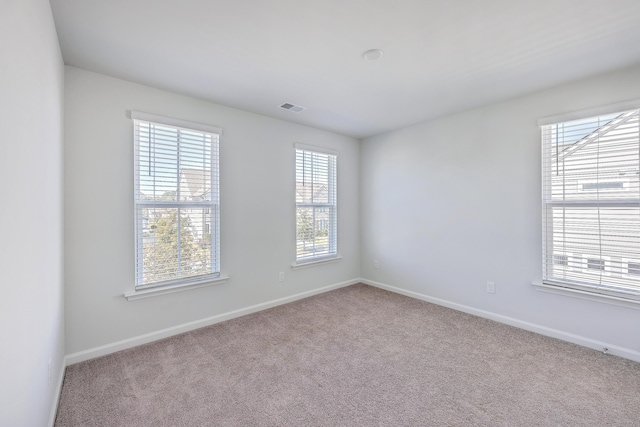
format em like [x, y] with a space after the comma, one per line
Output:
[603, 291]
[331, 204]
[211, 206]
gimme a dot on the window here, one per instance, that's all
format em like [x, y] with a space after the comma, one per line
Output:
[591, 204]
[595, 264]
[594, 186]
[316, 204]
[177, 209]
[633, 268]
[561, 260]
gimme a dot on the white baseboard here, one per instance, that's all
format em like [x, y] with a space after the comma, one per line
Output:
[186, 327]
[81, 356]
[58, 390]
[532, 327]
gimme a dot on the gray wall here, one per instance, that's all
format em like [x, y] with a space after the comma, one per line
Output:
[257, 178]
[453, 203]
[31, 307]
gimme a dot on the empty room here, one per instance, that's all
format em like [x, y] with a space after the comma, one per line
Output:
[320, 213]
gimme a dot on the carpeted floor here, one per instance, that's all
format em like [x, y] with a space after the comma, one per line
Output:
[357, 356]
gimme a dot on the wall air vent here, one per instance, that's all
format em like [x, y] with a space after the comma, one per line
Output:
[292, 107]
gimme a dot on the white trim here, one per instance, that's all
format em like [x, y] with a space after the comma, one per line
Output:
[58, 391]
[532, 327]
[303, 264]
[586, 295]
[155, 118]
[170, 289]
[190, 326]
[316, 149]
[632, 104]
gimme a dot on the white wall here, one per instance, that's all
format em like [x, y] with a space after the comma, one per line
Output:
[257, 211]
[450, 204]
[31, 307]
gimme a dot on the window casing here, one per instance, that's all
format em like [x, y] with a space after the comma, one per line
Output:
[591, 204]
[176, 198]
[316, 204]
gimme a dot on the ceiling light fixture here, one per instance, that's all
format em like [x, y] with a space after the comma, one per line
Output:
[373, 54]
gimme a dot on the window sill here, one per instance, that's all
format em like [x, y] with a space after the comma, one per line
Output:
[299, 265]
[163, 290]
[590, 296]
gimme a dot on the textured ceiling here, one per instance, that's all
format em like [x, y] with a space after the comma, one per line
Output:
[440, 56]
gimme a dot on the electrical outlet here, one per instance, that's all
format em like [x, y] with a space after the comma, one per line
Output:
[281, 277]
[491, 287]
[376, 263]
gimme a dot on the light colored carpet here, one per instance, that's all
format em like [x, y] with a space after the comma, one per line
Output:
[357, 356]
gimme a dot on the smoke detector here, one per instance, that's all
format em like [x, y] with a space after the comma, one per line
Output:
[373, 54]
[292, 107]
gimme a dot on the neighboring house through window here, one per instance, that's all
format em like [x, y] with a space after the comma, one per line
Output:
[177, 209]
[316, 204]
[591, 204]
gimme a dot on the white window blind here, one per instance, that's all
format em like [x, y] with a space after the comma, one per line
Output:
[177, 209]
[316, 205]
[591, 204]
